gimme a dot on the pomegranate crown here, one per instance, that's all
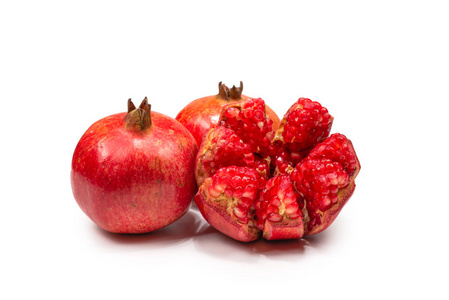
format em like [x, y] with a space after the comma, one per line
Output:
[234, 93]
[138, 119]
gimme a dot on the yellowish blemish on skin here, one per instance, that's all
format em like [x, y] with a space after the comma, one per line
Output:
[157, 164]
[158, 143]
[179, 183]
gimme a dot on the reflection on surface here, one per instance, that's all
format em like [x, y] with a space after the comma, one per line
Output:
[192, 228]
[221, 246]
[180, 231]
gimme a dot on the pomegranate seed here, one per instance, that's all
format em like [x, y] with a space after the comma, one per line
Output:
[318, 181]
[274, 217]
[225, 149]
[232, 113]
[292, 210]
[251, 124]
[337, 147]
[240, 214]
[237, 186]
[304, 126]
[276, 201]
[259, 115]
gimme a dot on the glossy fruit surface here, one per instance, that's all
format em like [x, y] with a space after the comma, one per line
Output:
[201, 114]
[124, 175]
[303, 176]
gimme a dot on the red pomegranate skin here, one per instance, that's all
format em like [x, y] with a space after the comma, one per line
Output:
[200, 115]
[134, 182]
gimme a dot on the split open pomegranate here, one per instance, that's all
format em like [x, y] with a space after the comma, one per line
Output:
[255, 181]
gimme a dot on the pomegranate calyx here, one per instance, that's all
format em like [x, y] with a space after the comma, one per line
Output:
[138, 119]
[235, 93]
[223, 91]
[228, 94]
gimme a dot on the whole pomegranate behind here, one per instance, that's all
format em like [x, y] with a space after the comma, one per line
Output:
[203, 113]
[133, 172]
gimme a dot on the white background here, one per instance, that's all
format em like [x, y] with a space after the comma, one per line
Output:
[381, 68]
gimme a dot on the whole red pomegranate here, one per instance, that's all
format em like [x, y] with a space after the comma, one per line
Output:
[133, 172]
[279, 184]
[203, 113]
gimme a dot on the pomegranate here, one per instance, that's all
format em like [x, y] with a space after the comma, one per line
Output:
[255, 181]
[203, 113]
[124, 175]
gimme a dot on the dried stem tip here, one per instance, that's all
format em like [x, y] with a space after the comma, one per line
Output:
[138, 119]
[234, 93]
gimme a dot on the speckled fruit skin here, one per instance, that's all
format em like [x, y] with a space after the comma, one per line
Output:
[201, 114]
[134, 182]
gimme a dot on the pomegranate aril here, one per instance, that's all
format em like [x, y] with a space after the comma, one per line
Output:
[247, 103]
[319, 181]
[305, 124]
[238, 192]
[272, 209]
[215, 190]
[337, 147]
[241, 214]
[237, 186]
[325, 203]
[259, 115]
[231, 210]
[236, 181]
[277, 212]
[248, 113]
[221, 147]
[250, 124]
[232, 113]
[277, 201]
[274, 217]
[289, 199]
[293, 212]
[315, 182]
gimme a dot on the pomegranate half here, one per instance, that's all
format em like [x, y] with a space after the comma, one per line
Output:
[133, 172]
